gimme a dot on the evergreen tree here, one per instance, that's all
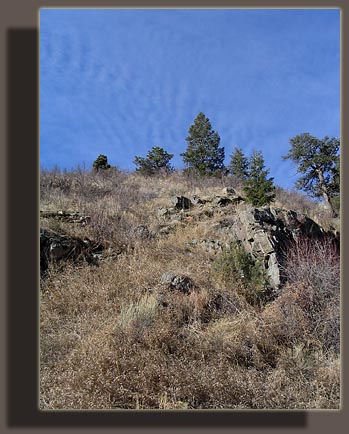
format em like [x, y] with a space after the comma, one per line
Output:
[318, 160]
[334, 188]
[203, 155]
[156, 161]
[101, 163]
[239, 164]
[258, 187]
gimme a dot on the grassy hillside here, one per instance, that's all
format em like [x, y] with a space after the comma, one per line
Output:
[114, 335]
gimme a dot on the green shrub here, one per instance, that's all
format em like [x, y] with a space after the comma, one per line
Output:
[157, 161]
[237, 267]
[101, 163]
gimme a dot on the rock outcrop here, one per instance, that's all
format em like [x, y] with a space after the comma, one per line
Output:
[56, 248]
[181, 203]
[228, 196]
[267, 233]
[66, 216]
[202, 207]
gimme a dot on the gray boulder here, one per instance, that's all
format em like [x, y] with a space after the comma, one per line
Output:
[181, 202]
[179, 283]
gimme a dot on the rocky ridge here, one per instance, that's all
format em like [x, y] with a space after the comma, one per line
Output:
[266, 233]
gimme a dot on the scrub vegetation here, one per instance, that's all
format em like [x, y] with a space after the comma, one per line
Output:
[113, 336]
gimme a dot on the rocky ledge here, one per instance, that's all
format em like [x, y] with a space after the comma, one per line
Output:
[266, 233]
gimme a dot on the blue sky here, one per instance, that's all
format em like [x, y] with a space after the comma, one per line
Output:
[120, 81]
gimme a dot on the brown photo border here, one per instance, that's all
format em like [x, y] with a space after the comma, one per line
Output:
[19, 232]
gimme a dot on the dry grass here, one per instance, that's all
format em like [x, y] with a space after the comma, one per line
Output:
[114, 336]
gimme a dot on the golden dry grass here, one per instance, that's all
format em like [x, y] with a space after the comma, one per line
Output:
[114, 336]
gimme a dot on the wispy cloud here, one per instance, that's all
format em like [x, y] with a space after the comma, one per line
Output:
[121, 81]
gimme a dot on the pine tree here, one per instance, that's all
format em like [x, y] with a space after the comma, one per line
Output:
[334, 188]
[203, 155]
[238, 164]
[318, 160]
[101, 163]
[258, 187]
[156, 161]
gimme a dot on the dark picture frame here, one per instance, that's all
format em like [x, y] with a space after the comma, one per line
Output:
[19, 229]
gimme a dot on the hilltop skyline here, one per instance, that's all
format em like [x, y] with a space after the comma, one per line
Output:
[121, 81]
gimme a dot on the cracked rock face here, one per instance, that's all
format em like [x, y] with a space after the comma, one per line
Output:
[266, 233]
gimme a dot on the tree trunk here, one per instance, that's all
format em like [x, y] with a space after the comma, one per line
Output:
[325, 194]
